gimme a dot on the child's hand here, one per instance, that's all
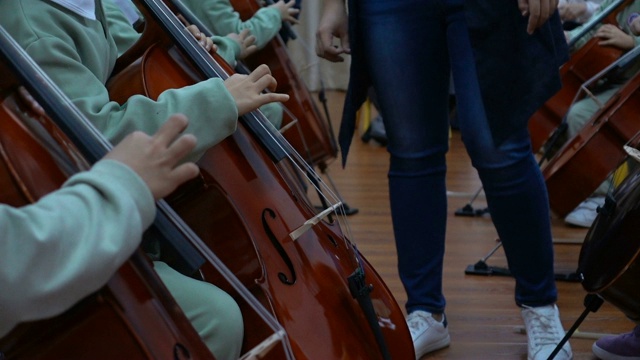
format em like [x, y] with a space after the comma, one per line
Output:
[203, 40]
[611, 35]
[246, 42]
[287, 11]
[247, 90]
[155, 158]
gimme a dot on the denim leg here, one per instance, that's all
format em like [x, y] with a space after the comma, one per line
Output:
[411, 46]
[514, 186]
[407, 58]
[517, 200]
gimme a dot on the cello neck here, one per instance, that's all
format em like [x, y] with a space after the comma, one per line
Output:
[159, 17]
[91, 143]
[189, 250]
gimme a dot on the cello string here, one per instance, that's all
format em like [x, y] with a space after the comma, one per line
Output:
[53, 99]
[189, 18]
[359, 290]
[296, 159]
[187, 14]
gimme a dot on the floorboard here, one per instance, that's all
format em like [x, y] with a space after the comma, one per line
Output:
[484, 321]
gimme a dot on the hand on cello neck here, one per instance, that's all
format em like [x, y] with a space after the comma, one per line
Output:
[247, 90]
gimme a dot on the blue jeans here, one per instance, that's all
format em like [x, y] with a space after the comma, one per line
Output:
[411, 47]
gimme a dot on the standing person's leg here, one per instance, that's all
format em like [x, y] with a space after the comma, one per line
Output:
[411, 78]
[517, 199]
[213, 313]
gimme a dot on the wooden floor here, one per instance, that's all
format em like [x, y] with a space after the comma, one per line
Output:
[483, 320]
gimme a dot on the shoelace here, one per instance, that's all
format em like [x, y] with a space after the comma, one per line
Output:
[542, 328]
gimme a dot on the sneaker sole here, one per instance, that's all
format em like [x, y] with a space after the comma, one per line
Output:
[578, 223]
[441, 344]
[603, 354]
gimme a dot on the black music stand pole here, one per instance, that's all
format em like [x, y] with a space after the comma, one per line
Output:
[592, 303]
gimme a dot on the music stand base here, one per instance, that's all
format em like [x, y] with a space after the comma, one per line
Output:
[481, 268]
[468, 210]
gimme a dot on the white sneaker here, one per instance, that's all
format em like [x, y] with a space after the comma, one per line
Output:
[585, 214]
[427, 333]
[545, 331]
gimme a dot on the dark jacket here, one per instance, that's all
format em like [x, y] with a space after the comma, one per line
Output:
[517, 72]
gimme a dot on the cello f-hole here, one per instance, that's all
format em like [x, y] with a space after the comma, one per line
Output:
[180, 352]
[332, 241]
[281, 251]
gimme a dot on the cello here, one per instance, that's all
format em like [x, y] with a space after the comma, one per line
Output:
[317, 131]
[133, 316]
[609, 259]
[303, 268]
[585, 161]
[303, 125]
[584, 64]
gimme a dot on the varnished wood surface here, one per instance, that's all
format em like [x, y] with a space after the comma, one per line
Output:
[484, 321]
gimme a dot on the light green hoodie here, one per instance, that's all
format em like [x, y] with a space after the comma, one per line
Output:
[79, 55]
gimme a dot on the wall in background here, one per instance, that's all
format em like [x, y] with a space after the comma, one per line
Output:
[313, 69]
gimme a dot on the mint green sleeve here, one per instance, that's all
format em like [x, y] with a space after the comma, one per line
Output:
[211, 109]
[220, 17]
[67, 245]
[120, 27]
[228, 49]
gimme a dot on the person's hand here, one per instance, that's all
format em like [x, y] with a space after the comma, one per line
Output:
[287, 11]
[247, 90]
[30, 101]
[572, 11]
[611, 35]
[538, 11]
[334, 23]
[246, 41]
[203, 40]
[155, 158]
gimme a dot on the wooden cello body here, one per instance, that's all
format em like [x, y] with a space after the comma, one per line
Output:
[588, 61]
[133, 316]
[584, 64]
[585, 161]
[610, 255]
[248, 205]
